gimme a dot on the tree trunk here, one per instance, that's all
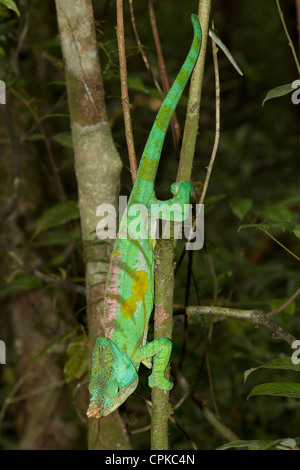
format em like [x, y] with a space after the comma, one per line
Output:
[98, 166]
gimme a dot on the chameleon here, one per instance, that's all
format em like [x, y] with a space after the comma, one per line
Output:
[129, 292]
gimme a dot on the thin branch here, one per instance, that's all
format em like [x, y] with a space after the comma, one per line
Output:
[47, 143]
[278, 242]
[211, 418]
[283, 306]
[142, 51]
[41, 276]
[16, 154]
[288, 36]
[124, 91]
[163, 74]
[256, 317]
[217, 132]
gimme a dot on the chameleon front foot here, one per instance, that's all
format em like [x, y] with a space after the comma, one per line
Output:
[159, 382]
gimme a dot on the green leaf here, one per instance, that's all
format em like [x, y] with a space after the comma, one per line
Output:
[78, 363]
[58, 340]
[279, 91]
[282, 363]
[241, 207]
[57, 237]
[286, 444]
[26, 282]
[11, 5]
[57, 215]
[64, 139]
[263, 226]
[253, 444]
[296, 230]
[212, 201]
[279, 389]
[278, 213]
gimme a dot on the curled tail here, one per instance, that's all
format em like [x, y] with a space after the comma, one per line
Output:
[151, 155]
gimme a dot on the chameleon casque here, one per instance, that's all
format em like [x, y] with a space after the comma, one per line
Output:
[130, 283]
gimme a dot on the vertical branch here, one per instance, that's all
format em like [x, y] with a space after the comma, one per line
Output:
[194, 101]
[124, 90]
[164, 278]
[163, 301]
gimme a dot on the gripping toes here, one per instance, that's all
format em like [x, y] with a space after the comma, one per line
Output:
[159, 382]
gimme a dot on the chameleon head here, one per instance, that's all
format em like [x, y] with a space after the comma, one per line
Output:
[113, 378]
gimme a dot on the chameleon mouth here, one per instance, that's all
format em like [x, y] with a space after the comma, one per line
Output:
[94, 411]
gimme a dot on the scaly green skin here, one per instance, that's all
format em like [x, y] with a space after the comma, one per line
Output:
[130, 283]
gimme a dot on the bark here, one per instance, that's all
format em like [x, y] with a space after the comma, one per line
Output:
[97, 166]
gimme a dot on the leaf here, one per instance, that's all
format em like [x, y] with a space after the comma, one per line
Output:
[135, 83]
[64, 139]
[58, 340]
[11, 5]
[263, 226]
[59, 237]
[279, 91]
[212, 201]
[286, 444]
[278, 213]
[78, 363]
[26, 282]
[241, 207]
[253, 444]
[57, 215]
[296, 230]
[282, 363]
[279, 389]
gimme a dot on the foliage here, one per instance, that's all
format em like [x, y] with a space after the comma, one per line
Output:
[251, 255]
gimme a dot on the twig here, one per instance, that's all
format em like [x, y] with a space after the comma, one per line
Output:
[45, 278]
[163, 74]
[217, 132]
[141, 49]
[256, 317]
[124, 90]
[16, 153]
[283, 306]
[223, 430]
[288, 36]
[55, 170]
[278, 242]
[41, 276]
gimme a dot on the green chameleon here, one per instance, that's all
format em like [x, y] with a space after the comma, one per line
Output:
[130, 283]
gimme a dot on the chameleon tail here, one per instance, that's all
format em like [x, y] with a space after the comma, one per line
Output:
[150, 158]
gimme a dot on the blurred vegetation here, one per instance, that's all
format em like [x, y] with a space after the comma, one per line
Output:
[43, 386]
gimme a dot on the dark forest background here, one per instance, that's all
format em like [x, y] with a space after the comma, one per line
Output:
[255, 180]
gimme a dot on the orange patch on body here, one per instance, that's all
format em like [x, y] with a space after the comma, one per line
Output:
[139, 289]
